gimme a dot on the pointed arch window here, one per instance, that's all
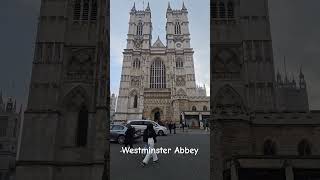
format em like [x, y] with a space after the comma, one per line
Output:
[269, 147]
[82, 130]
[304, 148]
[135, 101]
[139, 29]
[179, 63]
[222, 10]
[205, 108]
[158, 74]
[177, 28]
[194, 108]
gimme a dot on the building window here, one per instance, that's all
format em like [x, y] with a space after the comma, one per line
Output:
[304, 148]
[214, 10]
[85, 10]
[77, 10]
[135, 101]
[205, 108]
[139, 29]
[230, 10]
[222, 10]
[269, 147]
[82, 130]
[158, 74]
[177, 28]
[94, 10]
[136, 64]
[179, 63]
[194, 108]
[3, 126]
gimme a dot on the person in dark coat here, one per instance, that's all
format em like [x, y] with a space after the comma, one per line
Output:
[174, 128]
[150, 137]
[170, 126]
[129, 136]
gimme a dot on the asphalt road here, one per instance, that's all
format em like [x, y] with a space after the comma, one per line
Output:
[170, 166]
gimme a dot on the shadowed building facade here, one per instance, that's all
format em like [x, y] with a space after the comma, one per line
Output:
[262, 127]
[158, 80]
[64, 129]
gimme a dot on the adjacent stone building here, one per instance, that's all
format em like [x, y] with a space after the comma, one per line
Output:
[158, 80]
[64, 130]
[9, 133]
[262, 127]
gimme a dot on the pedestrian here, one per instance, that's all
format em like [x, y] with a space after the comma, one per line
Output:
[129, 136]
[207, 126]
[170, 126]
[149, 136]
[174, 128]
[182, 125]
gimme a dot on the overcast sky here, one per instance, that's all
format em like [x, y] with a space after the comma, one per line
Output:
[295, 29]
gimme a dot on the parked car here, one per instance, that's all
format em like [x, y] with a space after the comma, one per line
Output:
[117, 133]
[142, 125]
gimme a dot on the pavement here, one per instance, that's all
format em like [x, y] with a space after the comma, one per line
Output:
[170, 166]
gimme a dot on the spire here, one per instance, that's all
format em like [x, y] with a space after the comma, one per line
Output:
[169, 8]
[183, 6]
[148, 7]
[134, 7]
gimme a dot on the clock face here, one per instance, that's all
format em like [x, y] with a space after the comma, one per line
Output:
[178, 45]
[137, 44]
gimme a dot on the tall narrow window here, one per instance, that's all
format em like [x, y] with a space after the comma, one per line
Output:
[179, 63]
[177, 28]
[135, 101]
[304, 148]
[205, 108]
[194, 108]
[77, 10]
[38, 53]
[139, 29]
[158, 74]
[136, 64]
[230, 10]
[222, 10]
[94, 10]
[85, 11]
[82, 130]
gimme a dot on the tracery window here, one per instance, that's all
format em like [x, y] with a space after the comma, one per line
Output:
[222, 10]
[158, 74]
[205, 108]
[179, 63]
[82, 130]
[230, 10]
[269, 147]
[139, 29]
[82, 9]
[194, 108]
[177, 28]
[136, 64]
[304, 148]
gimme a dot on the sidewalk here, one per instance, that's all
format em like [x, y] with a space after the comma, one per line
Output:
[190, 131]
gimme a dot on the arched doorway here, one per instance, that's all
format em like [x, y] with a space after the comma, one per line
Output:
[157, 115]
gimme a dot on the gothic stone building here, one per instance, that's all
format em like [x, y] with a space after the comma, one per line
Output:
[9, 131]
[262, 127]
[157, 80]
[64, 130]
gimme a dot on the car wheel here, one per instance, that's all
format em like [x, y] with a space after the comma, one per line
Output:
[121, 139]
[160, 133]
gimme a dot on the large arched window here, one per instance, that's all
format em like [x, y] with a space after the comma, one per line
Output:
[304, 148]
[139, 29]
[158, 74]
[177, 28]
[230, 10]
[136, 64]
[222, 10]
[82, 130]
[194, 108]
[269, 147]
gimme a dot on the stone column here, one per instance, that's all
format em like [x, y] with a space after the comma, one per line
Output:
[234, 171]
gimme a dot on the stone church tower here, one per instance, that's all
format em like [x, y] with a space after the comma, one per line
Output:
[157, 80]
[64, 131]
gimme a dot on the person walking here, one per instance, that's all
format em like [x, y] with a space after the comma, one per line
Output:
[170, 126]
[129, 136]
[182, 126]
[149, 136]
[174, 128]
